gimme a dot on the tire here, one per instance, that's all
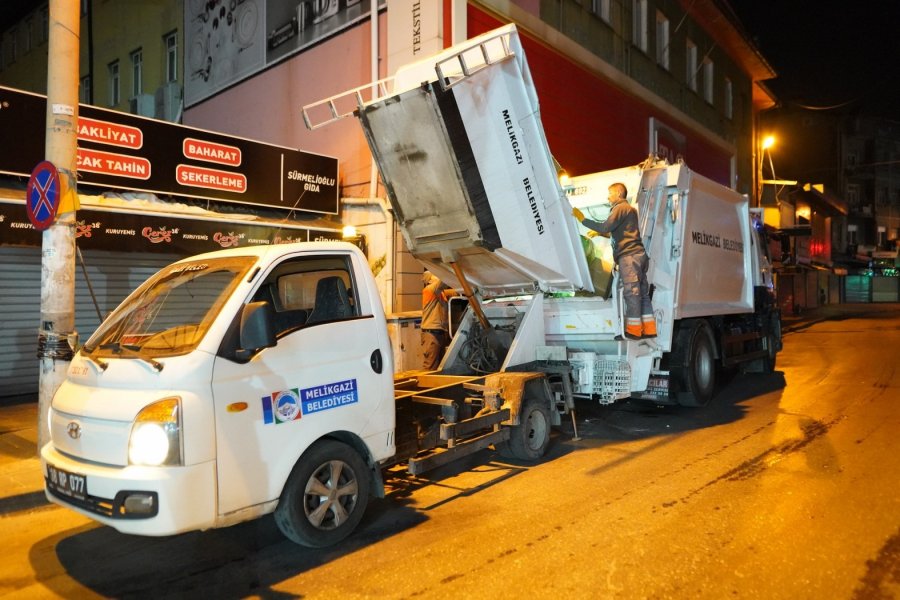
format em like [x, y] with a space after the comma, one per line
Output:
[325, 496]
[773, 344]
[772, 341]
[766, 364]
[529, 439]
[694, 363]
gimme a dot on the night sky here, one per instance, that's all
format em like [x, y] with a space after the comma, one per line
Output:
[844, 55]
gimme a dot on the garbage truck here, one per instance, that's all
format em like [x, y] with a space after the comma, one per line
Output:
[259, 380]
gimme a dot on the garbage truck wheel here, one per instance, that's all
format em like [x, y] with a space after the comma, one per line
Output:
[529, 439]
[772, 341]
[325, 496]
[694, 361]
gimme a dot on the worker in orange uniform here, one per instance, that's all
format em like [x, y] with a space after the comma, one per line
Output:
[628, 251]
[435, 320]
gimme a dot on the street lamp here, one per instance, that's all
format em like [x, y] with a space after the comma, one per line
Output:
[765, 146]
[766, 143]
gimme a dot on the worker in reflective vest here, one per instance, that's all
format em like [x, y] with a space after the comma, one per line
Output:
[435, 320]
[628, 251]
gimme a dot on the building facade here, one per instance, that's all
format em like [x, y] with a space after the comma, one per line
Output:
[846, 168]
[131, 56]
[617, 80]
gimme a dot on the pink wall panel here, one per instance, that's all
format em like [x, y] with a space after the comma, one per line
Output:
[267, 106]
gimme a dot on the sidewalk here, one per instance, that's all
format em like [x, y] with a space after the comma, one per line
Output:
[791, 322]
[22, 482]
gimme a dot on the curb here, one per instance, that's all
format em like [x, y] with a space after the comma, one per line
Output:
[20, 502]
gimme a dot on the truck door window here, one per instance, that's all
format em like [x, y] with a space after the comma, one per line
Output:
[307, 291]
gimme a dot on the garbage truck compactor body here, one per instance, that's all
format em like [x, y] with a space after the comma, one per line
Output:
[255, 380]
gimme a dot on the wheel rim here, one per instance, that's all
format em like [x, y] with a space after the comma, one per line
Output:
[331, 495]
[537, 429]
[705, 370]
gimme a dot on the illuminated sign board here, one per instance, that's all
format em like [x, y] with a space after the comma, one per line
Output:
[122, 151]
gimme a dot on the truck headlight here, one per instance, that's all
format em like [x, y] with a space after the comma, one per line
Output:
[156, 434]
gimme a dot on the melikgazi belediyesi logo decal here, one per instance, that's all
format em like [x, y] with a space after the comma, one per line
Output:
[281, 407]
[289, 405]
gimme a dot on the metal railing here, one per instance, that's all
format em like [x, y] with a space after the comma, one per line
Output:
[465, 67]
[378, 90]
[467, 64]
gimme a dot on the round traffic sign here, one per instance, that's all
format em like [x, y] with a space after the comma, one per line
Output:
[42, 195]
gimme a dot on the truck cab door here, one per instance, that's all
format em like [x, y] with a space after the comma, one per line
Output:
[330, 370]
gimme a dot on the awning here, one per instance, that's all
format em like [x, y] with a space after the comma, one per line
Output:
[143, 223]
[820, 199]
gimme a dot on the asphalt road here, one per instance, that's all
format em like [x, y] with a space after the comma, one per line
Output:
[787, 487]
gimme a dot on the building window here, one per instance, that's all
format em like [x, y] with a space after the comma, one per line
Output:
[708, 79]
[137, 71]
[639, 35]
[729, 99]
[113, 69]
[13, 51]
[853, 195]
[29, 35]
[691, 65]
[662, 40]
[45, 25]
[601, 9]
[171, 43]
[84, 90]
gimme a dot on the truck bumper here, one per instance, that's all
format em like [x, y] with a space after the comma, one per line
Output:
[153, 501]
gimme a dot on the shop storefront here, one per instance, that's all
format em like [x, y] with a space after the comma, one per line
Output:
[159, 192]
[119, 247]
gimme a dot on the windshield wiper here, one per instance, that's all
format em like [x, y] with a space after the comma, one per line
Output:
[87, 352]
[118, 348]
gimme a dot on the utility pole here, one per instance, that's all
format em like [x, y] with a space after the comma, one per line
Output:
[56, 335]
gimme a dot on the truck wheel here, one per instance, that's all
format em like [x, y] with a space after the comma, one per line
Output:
[695, 361]
[325, 496]
[772, 337]
[773, 342]
[529, 439]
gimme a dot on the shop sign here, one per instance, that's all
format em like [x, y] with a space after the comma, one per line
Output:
[122, 151]
[137, 232]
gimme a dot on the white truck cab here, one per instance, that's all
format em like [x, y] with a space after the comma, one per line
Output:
[215, 367]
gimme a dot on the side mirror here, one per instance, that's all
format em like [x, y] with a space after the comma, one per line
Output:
[257, 328]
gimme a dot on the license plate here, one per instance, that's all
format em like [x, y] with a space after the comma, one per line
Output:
[68, 484]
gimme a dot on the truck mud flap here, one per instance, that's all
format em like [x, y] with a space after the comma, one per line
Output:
[658, 389]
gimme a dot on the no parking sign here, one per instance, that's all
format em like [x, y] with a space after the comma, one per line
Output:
[42, 195]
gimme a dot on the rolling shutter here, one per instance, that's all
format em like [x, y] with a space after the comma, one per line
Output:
[112, 275]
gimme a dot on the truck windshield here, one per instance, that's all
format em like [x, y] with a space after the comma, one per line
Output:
[171, 312]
